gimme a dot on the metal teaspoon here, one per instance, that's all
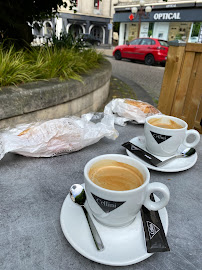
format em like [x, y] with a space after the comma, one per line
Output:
[77, 195]
[185, 153]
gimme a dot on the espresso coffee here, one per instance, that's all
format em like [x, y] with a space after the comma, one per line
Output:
[164, 123]
[114, 175]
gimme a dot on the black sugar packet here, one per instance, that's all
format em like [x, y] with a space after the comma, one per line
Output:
[154, 233]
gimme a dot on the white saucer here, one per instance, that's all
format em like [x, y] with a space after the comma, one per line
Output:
[123, 246]
[176, 165]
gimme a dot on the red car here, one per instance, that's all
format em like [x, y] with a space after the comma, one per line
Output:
[150, 50]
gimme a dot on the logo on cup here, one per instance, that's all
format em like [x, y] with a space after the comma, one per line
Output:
[132, 147]
[105, 205]
[159, 137]
[152, 229]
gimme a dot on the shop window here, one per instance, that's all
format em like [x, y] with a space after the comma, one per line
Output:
[196, 29]
[75, 30]
[96, 4]
[97, 32]
[151, 27]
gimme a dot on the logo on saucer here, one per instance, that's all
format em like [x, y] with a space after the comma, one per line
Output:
[159, 137]
[152, 229]
[105, 205]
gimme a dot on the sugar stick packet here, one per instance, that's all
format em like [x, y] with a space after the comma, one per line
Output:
[154, 233]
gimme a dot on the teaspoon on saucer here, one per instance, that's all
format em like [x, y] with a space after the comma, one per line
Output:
[185, 153]
[153, 160]
[78, 196]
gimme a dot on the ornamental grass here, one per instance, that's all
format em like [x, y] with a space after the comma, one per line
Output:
[43, 63]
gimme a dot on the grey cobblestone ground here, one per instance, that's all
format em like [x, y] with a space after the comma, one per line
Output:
[119, 89]
[144, 80]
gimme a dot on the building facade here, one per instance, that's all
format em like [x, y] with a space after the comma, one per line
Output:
[168, 20]
[91, 17]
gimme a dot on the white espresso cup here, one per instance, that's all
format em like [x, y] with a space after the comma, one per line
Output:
[165, 142]
[119, 208]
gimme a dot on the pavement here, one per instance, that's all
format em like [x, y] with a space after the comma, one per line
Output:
[107, 51]
[120, 89]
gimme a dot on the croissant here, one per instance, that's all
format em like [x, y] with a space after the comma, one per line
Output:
[143, 106]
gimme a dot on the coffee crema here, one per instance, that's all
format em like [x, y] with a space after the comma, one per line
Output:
[164, 122]
[114, 175]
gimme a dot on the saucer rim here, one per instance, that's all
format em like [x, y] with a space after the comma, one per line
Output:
[103, 261]
[149, 166]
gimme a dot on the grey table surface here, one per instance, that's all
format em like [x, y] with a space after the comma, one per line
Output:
[32, 191]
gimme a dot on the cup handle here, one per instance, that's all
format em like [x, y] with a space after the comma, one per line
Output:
[154, 206]
[195, 142]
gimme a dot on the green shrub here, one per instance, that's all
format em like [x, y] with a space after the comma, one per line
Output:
[67, 40]
[42, 63]
[14, 68]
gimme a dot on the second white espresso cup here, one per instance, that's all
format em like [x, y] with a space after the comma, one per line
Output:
[164, 141]
[119, 208]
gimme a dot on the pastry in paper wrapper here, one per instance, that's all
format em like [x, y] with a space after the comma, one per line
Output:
[55, 137]
[125, 110]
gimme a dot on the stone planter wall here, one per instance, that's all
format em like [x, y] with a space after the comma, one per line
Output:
[54, 98]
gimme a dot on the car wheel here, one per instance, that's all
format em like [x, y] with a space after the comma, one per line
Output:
[98, 43]
[149, 59]
[117, 55]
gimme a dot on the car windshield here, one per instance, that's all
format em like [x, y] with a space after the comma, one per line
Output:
[163, 43]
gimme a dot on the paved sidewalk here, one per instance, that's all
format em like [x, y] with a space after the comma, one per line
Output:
[106, 51]
[120, 89]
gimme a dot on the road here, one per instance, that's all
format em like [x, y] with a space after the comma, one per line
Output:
[145, 80]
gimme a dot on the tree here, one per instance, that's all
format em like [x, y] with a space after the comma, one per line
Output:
[15, 16]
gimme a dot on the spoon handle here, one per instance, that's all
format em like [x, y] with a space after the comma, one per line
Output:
[168, 160]
[95, 234]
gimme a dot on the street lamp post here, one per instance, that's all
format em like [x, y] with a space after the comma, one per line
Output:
[141, 13]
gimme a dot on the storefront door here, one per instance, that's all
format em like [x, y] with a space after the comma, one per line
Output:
[161, 30]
